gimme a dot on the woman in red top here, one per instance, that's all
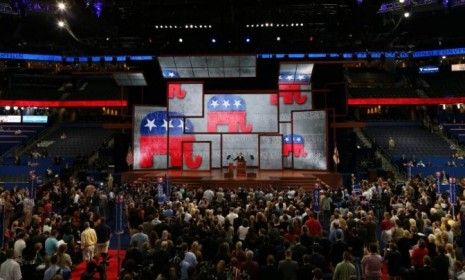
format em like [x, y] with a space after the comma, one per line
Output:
[419, 253]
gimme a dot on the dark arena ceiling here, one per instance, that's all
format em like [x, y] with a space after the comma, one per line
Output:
[222, 26]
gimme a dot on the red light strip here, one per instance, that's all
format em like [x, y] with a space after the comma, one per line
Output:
[64, 104]
[405, 101]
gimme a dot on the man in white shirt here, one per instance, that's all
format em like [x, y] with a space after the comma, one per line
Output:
[10, 269]
[19, 246]
[232, 215]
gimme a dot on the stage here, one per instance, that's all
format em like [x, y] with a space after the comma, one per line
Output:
[216, 178]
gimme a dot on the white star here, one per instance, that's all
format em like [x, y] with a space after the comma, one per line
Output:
[301, 77]
[237, 103]
[226, 103]
[280, 77]
[170, 124]
[214, 103]
[165, 124]
[181, 124]
[150, 124]
[290, 77]
[298, 139]
[286, 139]
[171, 74]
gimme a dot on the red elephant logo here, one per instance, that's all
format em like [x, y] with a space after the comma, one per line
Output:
[294, 143]
[154, 130]
[227, 110]
[290, 94]
[175, 90]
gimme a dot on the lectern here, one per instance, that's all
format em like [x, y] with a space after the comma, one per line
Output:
[241, 169]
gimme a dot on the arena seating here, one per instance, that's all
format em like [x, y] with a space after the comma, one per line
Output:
[446, 84]
[9, 136]
[81, 139]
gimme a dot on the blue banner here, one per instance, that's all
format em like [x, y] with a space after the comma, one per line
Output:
[119, 217]
[316, 200]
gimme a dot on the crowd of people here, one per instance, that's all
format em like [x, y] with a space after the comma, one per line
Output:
[404, 231]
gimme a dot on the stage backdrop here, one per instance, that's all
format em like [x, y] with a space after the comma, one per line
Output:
[198, 131]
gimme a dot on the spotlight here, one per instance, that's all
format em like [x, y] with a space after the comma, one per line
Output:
[252, 25]
[247, 26]
[278, 38]
[61, 24]
[200, 26]
[271, 24]
[156, 26]
[247, 40]
[209, 26]
[61, 6]
[15, 108]
[7, 108]
[444, 57]
[292, 24]
[267, 24]
[187, 26]
[161, 27]
[261, 25]
[180, 40]
[191, 26]
[406, 14]
[401, 1]
[108, 38]
[301, 24]
[175, 27]
[213, 40]
[171, 27]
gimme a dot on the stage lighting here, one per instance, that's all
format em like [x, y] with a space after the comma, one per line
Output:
[61, 24]
[180, 40]
[61, 6]
[247, 40]
[278, 38]
[444, 57]
[406, 14]
[213, 40]
[15, 108]
[7, 108]
[401, 1]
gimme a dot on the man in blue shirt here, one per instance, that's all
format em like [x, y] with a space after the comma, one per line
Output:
[51, 244]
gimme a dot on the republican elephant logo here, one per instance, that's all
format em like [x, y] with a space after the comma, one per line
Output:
[290, 94]
[227, 110]
[155, 130]
[294, 143]
[176, 91]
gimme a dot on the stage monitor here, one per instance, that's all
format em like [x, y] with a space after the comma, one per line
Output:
[308, 140]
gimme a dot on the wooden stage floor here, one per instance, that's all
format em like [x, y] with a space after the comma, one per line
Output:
[216, 177]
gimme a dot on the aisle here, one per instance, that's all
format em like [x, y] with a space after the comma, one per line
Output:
[112, 270]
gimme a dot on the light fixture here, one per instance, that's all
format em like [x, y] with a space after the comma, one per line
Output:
[247, 40]
[278, 38]
[61, 6]
[444, 57]
[247, 26]
[156, 26]
[108, 38]
[401, 1]
[15, 108]
[213, 40]
[180, 40]
[7, 108]
[406, 14]
[61, 24]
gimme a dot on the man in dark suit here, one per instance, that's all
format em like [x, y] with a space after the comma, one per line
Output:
[427, 272]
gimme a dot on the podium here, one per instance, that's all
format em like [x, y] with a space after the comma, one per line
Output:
[241, 169]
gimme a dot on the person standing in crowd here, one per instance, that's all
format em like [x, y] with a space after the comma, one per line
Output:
[372, 263]
[345, 270]
[10, 269]
[103, 232]
[51, 243]
[288, 268]
[88, 241]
